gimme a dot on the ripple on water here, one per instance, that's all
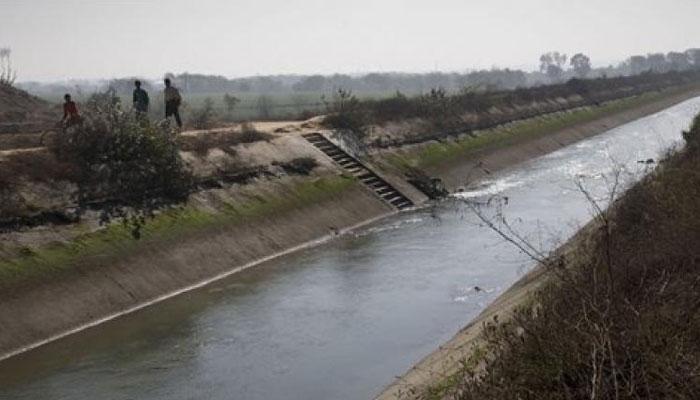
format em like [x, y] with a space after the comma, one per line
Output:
[491, 188]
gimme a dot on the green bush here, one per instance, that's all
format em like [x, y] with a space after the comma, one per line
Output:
[128, 165]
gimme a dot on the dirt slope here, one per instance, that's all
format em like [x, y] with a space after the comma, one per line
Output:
[22, 112]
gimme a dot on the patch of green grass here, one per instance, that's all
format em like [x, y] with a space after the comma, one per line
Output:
[170, 225]
[300, 195]
[437, 153]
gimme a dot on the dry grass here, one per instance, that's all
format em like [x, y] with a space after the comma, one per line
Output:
[36, 166]
[201, 143]
[32, 166]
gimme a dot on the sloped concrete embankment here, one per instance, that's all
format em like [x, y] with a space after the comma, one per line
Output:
[103, 286]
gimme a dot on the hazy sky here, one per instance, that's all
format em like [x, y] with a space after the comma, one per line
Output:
[59, 39]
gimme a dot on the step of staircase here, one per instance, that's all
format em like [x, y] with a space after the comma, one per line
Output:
[385, 191]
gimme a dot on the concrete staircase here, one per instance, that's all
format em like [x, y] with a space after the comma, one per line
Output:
[379, 186]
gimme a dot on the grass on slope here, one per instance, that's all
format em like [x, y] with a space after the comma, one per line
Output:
[172, 224]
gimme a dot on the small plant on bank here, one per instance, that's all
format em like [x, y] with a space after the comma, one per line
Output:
[128, 165]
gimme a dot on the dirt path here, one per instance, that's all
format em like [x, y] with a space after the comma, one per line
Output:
[21, 141]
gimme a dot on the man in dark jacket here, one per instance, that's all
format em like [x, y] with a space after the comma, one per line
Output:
[140, 99]
[172, 102]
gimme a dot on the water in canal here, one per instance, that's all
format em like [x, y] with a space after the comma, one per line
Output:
[341, 320]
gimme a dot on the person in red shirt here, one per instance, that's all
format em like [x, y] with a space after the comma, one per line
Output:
[70, 112]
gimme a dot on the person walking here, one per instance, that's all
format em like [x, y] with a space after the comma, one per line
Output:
[141, 100]
[172, 102]
[70, 112]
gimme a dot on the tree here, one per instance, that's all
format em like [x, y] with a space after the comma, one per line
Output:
[7, 73]
[377, 81]
[581, 64]
[264, 105]
[693, 57]
[638, 65]
[657, 62]
[678, 61]
[313, 83]
[552, 64]
[230, 102]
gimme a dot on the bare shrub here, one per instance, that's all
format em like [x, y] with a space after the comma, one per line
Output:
[346, 113]
[8, 74]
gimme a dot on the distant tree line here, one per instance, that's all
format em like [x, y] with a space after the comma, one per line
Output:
[554, 67]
